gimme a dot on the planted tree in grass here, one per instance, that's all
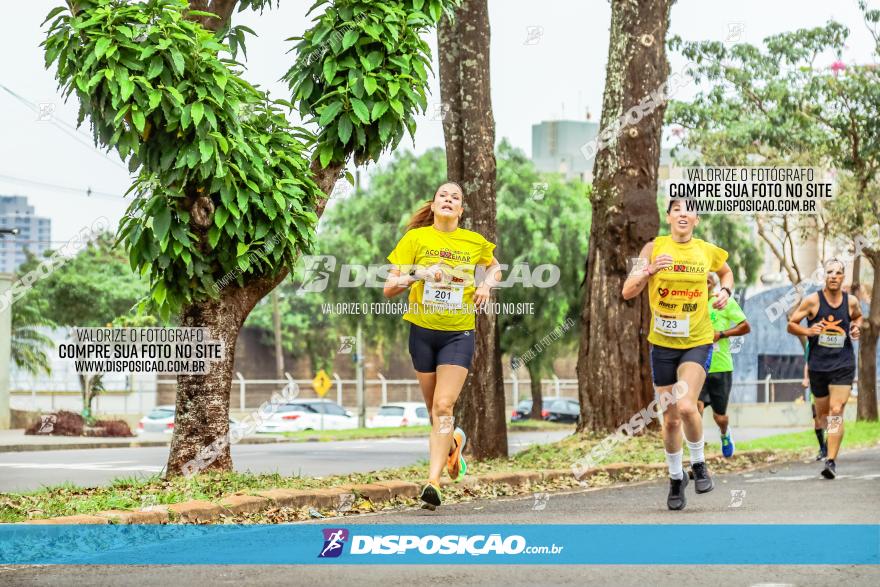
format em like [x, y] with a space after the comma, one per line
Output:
[227, 191]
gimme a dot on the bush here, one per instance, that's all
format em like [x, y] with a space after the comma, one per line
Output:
[58, 424]
[112, 428]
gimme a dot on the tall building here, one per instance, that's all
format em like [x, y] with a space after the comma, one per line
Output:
[34, 233]
[567, 147]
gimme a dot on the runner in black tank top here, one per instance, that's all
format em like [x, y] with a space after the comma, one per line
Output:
[833, 321]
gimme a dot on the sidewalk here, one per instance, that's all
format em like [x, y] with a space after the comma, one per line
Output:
[17, 441]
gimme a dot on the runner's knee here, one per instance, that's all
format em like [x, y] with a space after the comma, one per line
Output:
[687, 407]
[442, 407]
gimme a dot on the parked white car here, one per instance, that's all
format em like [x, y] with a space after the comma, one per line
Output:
[400, 414]
[161, 420]
[306, 414]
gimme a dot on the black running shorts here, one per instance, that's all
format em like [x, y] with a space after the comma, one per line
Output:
[429, 348]
[665, 361]
[820, 380]
[716, 391]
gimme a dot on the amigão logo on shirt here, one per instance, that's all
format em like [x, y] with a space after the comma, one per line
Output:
[687, 293]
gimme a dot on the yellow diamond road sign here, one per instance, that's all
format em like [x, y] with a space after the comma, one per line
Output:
[321, 383]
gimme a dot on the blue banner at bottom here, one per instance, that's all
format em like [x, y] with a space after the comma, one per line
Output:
[611, 544]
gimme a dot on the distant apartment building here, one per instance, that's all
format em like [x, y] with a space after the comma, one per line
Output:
[558, 146]
[34, 233]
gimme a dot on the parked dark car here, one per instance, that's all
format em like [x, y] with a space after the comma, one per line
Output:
[555, 410]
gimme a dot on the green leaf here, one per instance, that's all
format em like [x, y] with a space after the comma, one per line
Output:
[370, 85]
[329, 69]
[126, 86]
[206, 149]
[325, 155]
[393, 88]
[344, 129]
[197, 111]
[397, 107]
[137, 117]
[379, 108]
[329, 113]
[242, 249]
[361, 110]
[177, 61]
[221, 216]
[101, 46]
[213, 235]
[350, 38]
[159, 292]
[161, 223]
[155, 97]
[384, 128]
[375, 59]
[156, 67]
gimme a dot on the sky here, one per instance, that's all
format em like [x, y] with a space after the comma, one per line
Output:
[547, 62]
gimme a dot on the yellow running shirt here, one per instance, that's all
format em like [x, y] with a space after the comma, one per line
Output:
[448, 305]
[678, 294]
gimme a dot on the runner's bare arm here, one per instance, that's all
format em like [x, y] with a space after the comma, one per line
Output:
[397, 283]
[725, 278]
[740, 329]
[808, 308]
[492, 279]
[641, 273]
[855, 314]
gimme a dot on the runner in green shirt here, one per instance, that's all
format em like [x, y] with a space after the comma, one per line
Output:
[727, 322]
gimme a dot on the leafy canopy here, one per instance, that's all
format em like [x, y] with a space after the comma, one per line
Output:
[156, 89]
[361, 73]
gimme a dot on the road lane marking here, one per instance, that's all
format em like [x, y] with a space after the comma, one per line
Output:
[102, 466]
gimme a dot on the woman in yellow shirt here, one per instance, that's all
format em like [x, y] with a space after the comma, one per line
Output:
[675, 268]
[438, 262]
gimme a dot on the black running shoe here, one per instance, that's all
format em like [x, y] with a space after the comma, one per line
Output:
[676, 499]
[823, 453]
[702, 481]
[830, 470]
[430, 496]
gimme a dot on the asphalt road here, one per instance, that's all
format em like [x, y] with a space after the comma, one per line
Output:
[26, 471]
[784, 494]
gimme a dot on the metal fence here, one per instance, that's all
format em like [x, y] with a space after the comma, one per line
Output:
[140, 397]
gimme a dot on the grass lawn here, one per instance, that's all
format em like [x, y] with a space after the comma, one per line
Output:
[140, 493]
[407, 432]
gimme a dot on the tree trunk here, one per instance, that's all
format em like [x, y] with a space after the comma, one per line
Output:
[469, 131]
[614, 375]
[201, 424]
[537, 400]
[870, 332]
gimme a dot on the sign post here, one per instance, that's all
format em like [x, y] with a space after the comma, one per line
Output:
[321, 384]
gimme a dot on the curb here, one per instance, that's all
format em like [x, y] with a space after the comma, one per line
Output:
[200, 511]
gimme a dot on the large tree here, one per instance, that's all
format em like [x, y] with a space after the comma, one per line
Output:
[469, 132]
[227, 189]
[614, 375]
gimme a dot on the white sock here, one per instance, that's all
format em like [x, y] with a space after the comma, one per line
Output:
[695, 449]
[673, 461]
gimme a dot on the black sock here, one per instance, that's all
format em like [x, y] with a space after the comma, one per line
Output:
[820, 436]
